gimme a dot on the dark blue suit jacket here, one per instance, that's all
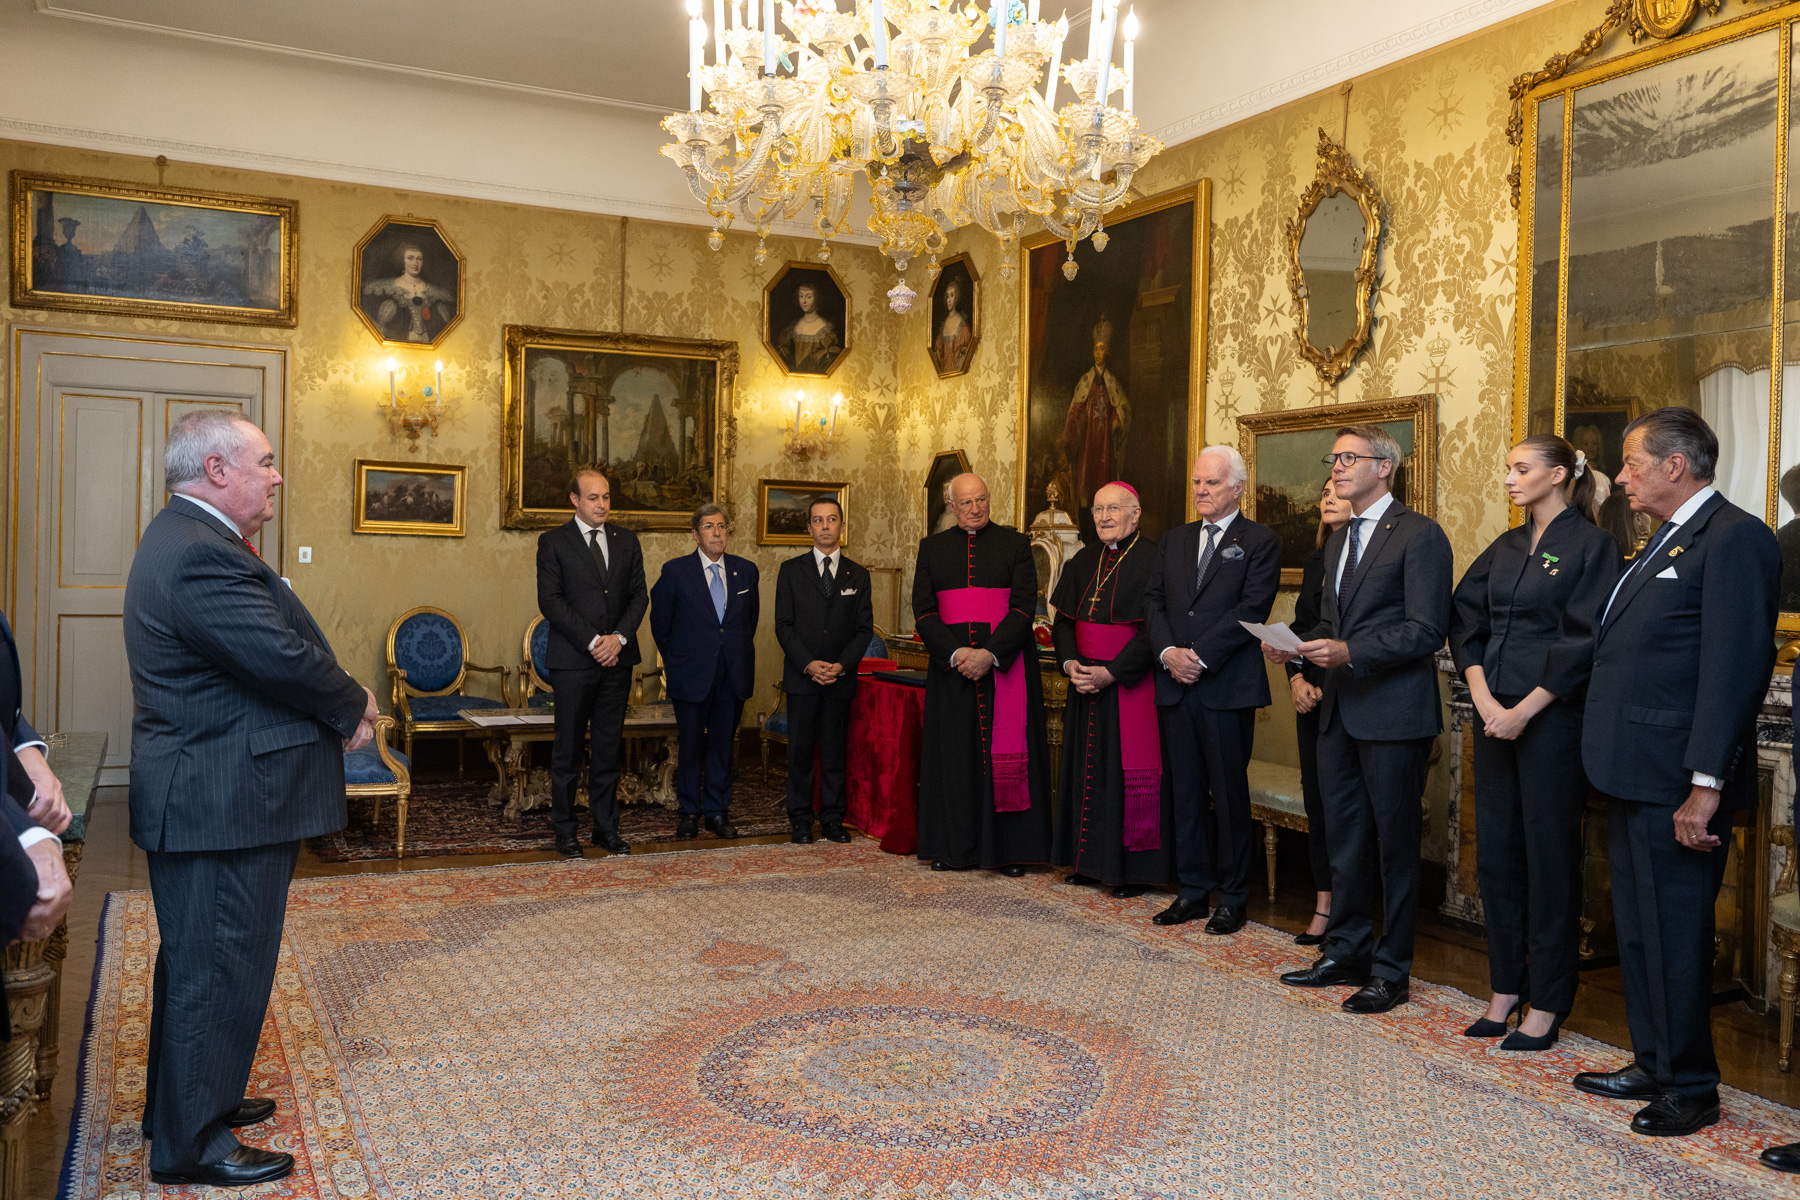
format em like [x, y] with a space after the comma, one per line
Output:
[1240, 585]
[1681, 664]
[690, 636]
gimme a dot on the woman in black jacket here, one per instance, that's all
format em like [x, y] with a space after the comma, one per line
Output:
[1304, 682]
[1522, 635]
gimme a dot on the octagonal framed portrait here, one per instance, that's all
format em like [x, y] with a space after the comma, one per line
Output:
[806, 320]
[955, 316]
[406, 282]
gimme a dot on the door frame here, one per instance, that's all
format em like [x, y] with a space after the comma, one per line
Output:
[24, 492]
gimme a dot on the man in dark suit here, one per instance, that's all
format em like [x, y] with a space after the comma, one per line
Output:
[1212, 573]
[703, 613]
[237, 754]
[590, 581]
[823, 620]
[1386, 612]
[1681, 664]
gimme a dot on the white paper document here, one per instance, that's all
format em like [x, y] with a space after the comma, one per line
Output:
[1277, 635]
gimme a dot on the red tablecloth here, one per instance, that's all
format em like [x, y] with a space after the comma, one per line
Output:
[887, 722]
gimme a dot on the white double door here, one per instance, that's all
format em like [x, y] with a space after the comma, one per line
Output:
[92, 414]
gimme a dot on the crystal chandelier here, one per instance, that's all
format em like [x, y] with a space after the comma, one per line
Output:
[946, 137]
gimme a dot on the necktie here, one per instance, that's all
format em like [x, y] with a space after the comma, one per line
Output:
[718, 591]
[250, 545]
[1649, 552]
[1206, 553]
[1349, 575]
[825, 574]
[597, 547]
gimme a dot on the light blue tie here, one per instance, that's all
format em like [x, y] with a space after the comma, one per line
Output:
[718, 591]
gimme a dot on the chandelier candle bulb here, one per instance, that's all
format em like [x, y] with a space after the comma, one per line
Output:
[1131, 32]
[718, 33]
[696, 51]
[1031, 12]
[1001, 11]
[768, 37]
[878, 38]
[1051, 76]
[1103, 51]
[1094, 19]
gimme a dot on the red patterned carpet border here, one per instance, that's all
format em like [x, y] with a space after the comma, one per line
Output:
[829, 1022]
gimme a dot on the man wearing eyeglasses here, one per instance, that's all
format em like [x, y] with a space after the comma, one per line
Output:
[1211, 574]
[984, 788]
[1386, 611]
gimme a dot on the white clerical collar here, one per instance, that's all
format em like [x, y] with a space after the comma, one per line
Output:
[705, 562]
[819, 557]
[223, 519]
[1691, 506]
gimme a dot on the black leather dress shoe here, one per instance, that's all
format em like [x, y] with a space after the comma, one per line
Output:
[833, 833]
[241, 1168]
[568, 847]
[611, 842]
[687, 826]
[1229, 919]
[720, 827]
[1675, 1115]
[1326, 972]
[1129, 891]
[802, 837]
[1783, 1158]
[938, 864]
[1627, 1083]
[1377, 996]
[250, 1111]
[1181, 912]
[1012, 871]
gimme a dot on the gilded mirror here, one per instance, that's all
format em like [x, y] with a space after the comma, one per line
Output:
[1331, 262]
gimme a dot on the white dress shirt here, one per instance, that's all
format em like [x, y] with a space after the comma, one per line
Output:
[819, 557]
[1681, 515]
[1223, 523]
[605, 557]
[222, 518]
[1371, 514]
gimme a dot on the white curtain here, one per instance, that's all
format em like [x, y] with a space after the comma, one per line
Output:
[1735, 403]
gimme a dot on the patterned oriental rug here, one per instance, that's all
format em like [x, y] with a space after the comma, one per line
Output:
[829, 1022]
[448, 815]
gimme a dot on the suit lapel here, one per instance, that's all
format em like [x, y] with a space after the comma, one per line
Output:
[1230, 538]
[584, 551]
[1371, 550]
[1667, 555]
[1328, 600]
[1191, 535]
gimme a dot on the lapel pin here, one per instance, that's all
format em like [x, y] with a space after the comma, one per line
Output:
[1676, 550]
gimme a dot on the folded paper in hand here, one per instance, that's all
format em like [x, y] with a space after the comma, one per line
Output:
[1277, 635]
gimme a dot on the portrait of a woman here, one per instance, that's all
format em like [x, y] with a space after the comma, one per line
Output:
[408, 283]
[953, 318]
[806, 315]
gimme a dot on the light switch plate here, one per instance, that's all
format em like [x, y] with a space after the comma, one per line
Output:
[306, 554]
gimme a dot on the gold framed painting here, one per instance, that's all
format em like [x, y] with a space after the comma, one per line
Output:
[806, 319]
[102, 246]
[419, 499]
[652, 412]
[945, 466]
[955, 316]
[1115, 361]
[1284, 452]
[783, 507]
[406, 282]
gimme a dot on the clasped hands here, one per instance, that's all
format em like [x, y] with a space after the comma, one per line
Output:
[1184, 665]
[365, 728]
[605, 649]
[1086, 679]
[972, 662]
[824, 673]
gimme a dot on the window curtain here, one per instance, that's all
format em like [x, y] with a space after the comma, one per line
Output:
[1735, 402]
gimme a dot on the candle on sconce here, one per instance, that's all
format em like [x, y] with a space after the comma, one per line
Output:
[799, 401]
[768, 37]
[878, 36]
[1131, 32]
[837, 402]
[437, 385]
[391, 369]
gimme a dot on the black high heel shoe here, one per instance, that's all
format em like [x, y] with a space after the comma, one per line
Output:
[1312, 939]
[1485, 1028]
[1517, 1040]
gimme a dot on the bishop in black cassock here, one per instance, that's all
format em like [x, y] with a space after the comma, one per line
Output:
[1116, 820]
[984, 791]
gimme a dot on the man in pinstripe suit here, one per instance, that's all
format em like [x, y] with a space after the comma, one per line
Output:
[237, 746]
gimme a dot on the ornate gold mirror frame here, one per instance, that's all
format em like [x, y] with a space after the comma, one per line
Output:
[1336, 174]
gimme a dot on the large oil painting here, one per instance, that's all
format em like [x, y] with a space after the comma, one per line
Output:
[1114, 379]
[94, 245]
[646, 409]
[1285, 454]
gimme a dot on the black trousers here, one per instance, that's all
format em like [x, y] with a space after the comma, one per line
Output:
[817, 722]
[1306, 732]
[1372, 791]
[1663, 895]
[706, 732]
[219, 914]
[590, 703]
[1207, 752]
[1529, 797]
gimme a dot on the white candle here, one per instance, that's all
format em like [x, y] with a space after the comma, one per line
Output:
[878, 33]
[696, 47]
[751, 4]
[1094, 30]
[1104, 50]
[799, 399]
[1002, 18]
[737, 15]
[1031, 10]
[437, 387]
[1131, 32]
[718, 33]
[768, 37]
[837, 400]
[391, 368]
[1062, 32]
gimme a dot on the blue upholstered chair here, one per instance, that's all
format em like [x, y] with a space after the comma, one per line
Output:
[427, 659]
[534, 676]
[775, 725]
[379, 770]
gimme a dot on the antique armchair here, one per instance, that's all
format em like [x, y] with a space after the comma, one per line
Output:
[774, 727]
[1784, 928]
[379, 770]
[427, 660]
[534, 683]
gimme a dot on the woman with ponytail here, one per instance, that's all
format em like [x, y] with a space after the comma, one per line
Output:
[1522, 635]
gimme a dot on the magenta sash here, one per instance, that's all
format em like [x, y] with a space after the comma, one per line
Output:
[1006, 745]
[1140, 745]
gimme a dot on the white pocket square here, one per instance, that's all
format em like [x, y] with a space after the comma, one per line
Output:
[745, 592]
[848, 592]
[1667, 573]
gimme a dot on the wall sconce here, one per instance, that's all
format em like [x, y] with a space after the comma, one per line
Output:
[814, 430]
[413, 416]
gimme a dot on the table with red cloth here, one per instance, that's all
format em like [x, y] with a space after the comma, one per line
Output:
[887, 722]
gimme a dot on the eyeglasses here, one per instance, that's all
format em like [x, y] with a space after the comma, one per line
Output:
[1111, 510]
[969, 503]
[1345, 458]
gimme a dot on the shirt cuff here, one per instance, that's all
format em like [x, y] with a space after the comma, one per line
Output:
[44, 746]
[593, 643]
[32, 837]
[1701, 779]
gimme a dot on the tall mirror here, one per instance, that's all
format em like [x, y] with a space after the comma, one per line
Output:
[1332, 244]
